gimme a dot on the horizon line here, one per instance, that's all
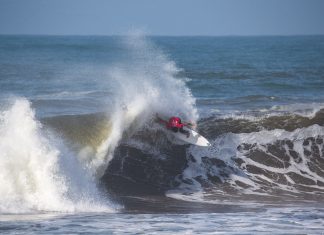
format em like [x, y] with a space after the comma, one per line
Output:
[163, 35]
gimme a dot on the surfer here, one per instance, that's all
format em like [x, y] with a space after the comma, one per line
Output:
[175, 125]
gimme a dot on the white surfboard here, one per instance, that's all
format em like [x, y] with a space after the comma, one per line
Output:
[194, 138]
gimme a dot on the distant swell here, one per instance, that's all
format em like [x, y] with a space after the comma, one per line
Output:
[214, 126]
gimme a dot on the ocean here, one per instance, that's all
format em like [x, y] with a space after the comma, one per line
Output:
[81, 151]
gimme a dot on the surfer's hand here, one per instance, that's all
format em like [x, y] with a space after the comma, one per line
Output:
[160, 120]
[193, 125]
[157, 117]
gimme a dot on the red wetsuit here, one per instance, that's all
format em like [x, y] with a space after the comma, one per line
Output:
[175, 125]
[174, 122]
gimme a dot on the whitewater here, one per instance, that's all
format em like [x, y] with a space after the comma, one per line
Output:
[80, 149]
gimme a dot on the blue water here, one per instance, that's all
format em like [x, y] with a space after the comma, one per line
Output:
[224, 73]
[225, 77]
[243, 73]
[273, 221]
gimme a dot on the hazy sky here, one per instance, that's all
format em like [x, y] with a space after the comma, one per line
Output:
[162, 17]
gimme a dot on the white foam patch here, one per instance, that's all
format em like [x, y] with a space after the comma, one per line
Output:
[303, 109]
[225, 148]
[36, 173]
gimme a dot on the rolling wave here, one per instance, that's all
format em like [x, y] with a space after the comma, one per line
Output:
[267, 158]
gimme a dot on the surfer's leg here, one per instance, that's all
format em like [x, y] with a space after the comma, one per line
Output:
[185, 132]
[175, 129]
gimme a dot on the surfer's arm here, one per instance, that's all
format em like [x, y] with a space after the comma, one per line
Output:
[189, 124]
[160, 120]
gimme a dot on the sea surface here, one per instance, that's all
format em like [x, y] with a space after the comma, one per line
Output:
[81, 151]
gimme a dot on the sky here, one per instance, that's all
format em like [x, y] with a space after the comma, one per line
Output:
[162, 17]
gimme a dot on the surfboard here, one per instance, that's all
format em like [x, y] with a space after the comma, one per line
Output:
[194, 138]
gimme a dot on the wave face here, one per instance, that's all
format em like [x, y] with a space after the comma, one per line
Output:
[264, 164]
[263, 159]
[37, 172]
[247, 160]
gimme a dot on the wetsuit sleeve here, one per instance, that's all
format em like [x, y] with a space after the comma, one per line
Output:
[160, 120]
[188, 124]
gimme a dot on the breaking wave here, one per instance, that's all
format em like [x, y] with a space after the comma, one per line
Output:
[271, 157]
[38, 173]
[56, 165]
